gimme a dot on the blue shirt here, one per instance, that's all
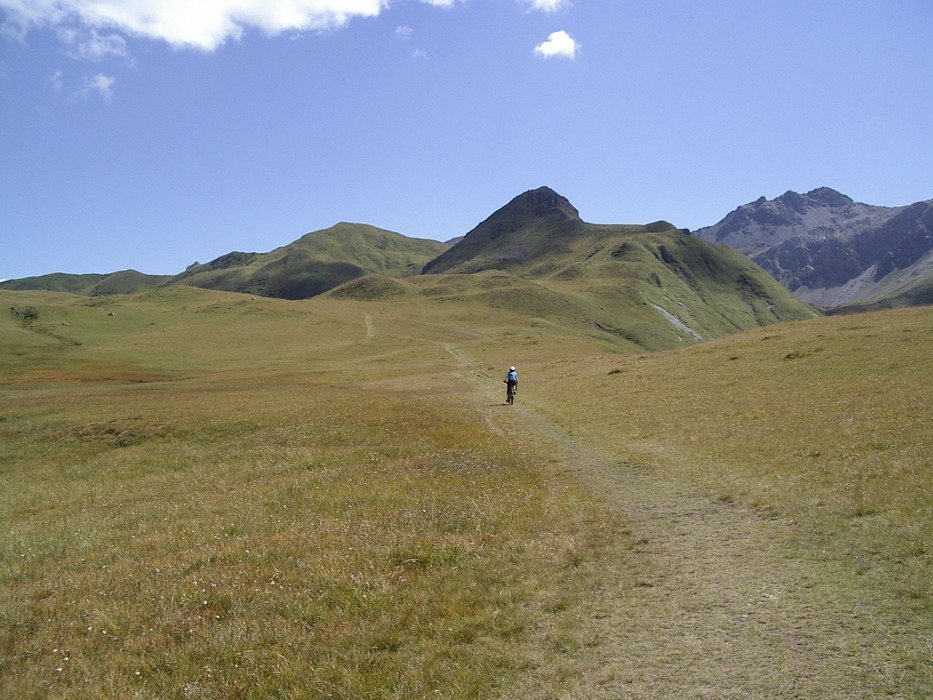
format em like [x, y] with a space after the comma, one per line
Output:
[512, 377]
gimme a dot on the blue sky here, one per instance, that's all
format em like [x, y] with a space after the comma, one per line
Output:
[134, 134]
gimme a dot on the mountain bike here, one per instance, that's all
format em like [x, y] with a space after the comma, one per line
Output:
[510, 393]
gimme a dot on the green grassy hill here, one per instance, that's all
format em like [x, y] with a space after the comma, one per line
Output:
[315, 263]
[537, 224]
[125, 282]
[654, 286]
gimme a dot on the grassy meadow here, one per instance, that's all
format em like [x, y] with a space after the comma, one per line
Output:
[828, 424]
[210, 495]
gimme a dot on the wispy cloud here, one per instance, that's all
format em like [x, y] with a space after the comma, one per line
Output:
[100, 84]
[547, 5]
[405, 33]
[89, 45]
[57, 81]
[558, 45]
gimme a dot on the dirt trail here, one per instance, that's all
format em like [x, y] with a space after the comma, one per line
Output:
[467, 369]
[704, 600]
[370, 326]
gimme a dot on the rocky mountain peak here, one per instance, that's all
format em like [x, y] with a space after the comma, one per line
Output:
[794, 203]
[533, 223]
[828, 197]
[828, 248]
[539, 203]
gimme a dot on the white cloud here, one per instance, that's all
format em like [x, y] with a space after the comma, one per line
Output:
[57, 81]
[100, 84]
[404, 32]
[97, 29]
[201, 24]
[547, 5]
[558, 44]
[91, 46]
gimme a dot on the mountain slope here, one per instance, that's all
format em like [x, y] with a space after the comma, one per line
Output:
[533, 234]
[125, 282]
[538, 222]
[654, 286]
[830, 250]
[316, 262]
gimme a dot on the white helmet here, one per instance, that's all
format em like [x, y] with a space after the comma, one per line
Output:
[511, 369]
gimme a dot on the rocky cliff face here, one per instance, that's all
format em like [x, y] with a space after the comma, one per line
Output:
[829, 249]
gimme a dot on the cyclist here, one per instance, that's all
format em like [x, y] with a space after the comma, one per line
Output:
[511, 385]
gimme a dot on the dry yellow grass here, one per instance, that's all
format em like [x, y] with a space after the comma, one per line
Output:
[783, 480]
[257, 498]
[828, 422]
[353, 530]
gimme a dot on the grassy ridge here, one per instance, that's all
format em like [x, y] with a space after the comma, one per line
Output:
[125, 282]
[316, 262]
[667, 290]
[654, 286]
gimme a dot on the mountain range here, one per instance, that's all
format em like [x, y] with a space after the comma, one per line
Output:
[832, 251]
[822, 246]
